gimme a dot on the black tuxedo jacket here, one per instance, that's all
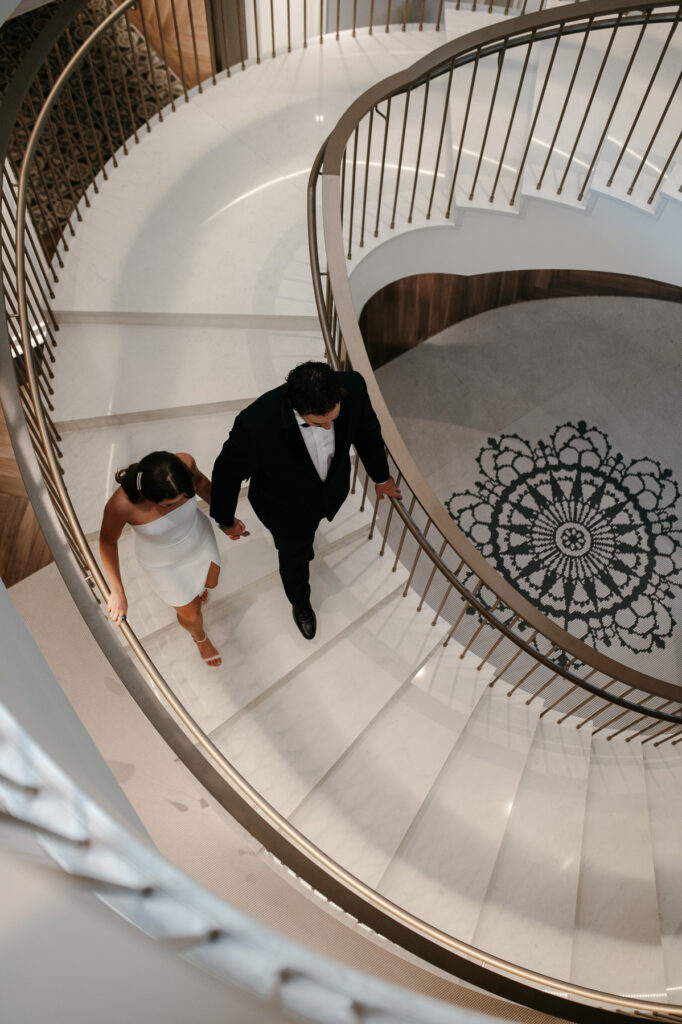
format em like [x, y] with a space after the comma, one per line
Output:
[265, 446]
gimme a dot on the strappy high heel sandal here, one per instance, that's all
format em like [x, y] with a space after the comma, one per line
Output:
[213, 660]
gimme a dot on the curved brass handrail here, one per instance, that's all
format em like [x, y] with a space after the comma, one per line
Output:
[310, 863]
[342, 333]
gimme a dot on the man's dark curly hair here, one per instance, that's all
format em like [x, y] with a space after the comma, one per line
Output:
[313, 389]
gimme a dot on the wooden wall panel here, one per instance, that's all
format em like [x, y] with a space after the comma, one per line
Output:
[408, 311]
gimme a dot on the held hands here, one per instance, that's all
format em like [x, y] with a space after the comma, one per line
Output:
[389, 489]
[117, 606]
[236, 531]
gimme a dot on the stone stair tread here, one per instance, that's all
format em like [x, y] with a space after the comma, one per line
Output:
[257, 637]
[442, 868]
[361, 810]
[536, 876]
[663, 772]
[180, 365]
[285, 742]
[617, 937]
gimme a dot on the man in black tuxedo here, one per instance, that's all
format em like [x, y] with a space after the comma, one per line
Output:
[293, 443]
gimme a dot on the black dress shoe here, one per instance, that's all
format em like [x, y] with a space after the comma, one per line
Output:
[305, 620]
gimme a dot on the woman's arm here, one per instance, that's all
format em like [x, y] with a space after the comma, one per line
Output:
[113, 521]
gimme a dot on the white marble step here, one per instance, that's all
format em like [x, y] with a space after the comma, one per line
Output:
[443, 866]
[663, 773]
[360, 811]
[208, 212]
[617, 936]
[256, 635]
[286, 741]
[529, 909]
[119, 368]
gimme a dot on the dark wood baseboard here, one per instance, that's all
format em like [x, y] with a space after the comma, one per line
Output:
[406, 312]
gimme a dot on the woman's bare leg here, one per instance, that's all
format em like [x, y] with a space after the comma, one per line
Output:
[191, 619]
[211, 582]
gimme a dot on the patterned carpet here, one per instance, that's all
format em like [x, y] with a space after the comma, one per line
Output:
[113, 94]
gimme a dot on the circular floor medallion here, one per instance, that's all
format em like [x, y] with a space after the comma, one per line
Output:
[591, 538]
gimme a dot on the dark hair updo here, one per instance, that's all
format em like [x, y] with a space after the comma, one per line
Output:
[159, 476]
[313, 389]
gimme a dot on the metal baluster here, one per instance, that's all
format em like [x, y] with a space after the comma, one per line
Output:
[164, 57]
[565, 103]
[463, 612]
[383, 162]
[513, 114]
[619, 93]
[647, 91]
[364, 493]
[405, 14]
[355, 15]
[548, 683]
[484, 622]
[138, 78]
[193, 33]
[419, 150]
[589, 102]
[321, 16]
[653, 723]
[272, 27]
[226, 41]
[115, 101]
[399, 549]
[388, 14]
[356, 463]
[557, 701]
[533, 669]
[421, 16]
[60, 223]
[431, 575]
[442, 604]
[512, 660]
[255, 25]
[440, 139]
[388, 517]
[150, 66]
[180, 56]
[352, 192]
[288, 26]
[400, 156]
[371, 17]
[486, 657]
[364, 191]
[338, 16]
[617, 717]
[464, 128]
[305, 24]
[500, 65]
[440, 12]
[665, 166]
[123, 77]
[415, 560]
[537, 113]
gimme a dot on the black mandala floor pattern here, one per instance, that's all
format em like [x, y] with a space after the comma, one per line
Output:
[591, 539]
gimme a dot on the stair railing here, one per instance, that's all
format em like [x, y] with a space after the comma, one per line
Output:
[366, 174]
[31, 335]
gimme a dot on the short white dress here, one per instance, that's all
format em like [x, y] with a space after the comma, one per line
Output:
[176, 552]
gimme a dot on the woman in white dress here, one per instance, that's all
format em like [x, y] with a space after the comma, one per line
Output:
[174, 541]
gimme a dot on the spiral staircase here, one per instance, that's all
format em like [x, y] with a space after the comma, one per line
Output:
[494, 821]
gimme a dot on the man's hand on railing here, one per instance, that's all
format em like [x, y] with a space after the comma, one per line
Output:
[388, 489]
[117, 606]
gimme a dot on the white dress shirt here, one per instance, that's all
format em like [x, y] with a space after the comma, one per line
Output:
[321, 445]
